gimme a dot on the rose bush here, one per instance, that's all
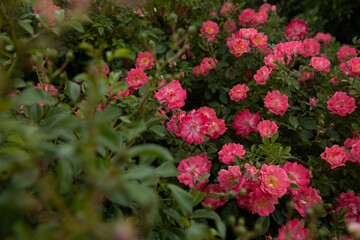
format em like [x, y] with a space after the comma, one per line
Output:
[175, 120]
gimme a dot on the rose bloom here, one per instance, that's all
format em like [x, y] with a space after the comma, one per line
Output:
[48, 88]
[193, 127]
[208, 64]
[239, 47]
[323, 38]
[267, 128]
[171, 95]
[216, 126]
[213, 199]
[259, 40]
[310, 47]
[266, 7]
[246, 33]
[340, 103]
[173, 125]
[262, 203]
[46, 8]
[250, 170]
[127, 92]
[245, 122]
[198, 70]
[269, 60]
[262, 75]
[230, 26]
[209, 29]
[293, 229]
[274, 180]
[298, 175]
[305, 76]
[226, 8]
[227, 177]
[335, 156]
[296, 29]
[259, 18]
[345, 52]
[193, 168]
[228, 151]
[276, 103]
[312, 101]
[306, 199]
[334, 81]
[245, 18]
[320, 64]
[136, 78]
[354, 66]
[351, 203]
[238, 92]
[144, 60]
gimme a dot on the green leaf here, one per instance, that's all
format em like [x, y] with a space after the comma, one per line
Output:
[264, 222]
[59, 15]
[55, 115]
[108, 137]
[33, 95]
[159, 130]
[64, 176]
[220, 225]
[274, 137]
[294, 121]
[197, 196]
[278, 217]
[25, 25]
[294, 186]
[101, 30]
[124, 53]
[76, 25]
[74, 91]
[43, 20]
[139, 172]
[183, 198]
[197, 231]
[151, 149]
[166, 169]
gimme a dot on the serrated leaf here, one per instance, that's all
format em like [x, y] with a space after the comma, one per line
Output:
[183, 198]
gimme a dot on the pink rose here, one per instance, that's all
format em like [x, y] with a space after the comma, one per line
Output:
[335, 156]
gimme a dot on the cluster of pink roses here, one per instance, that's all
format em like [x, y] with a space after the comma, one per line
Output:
[249, 17]
[350, 63]
[171, 95]
[136, 77]
[194, 126]
[244, 123]
[256, 190]
[351, 203]
[206, 65]
[336, 156]
[239, 41]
